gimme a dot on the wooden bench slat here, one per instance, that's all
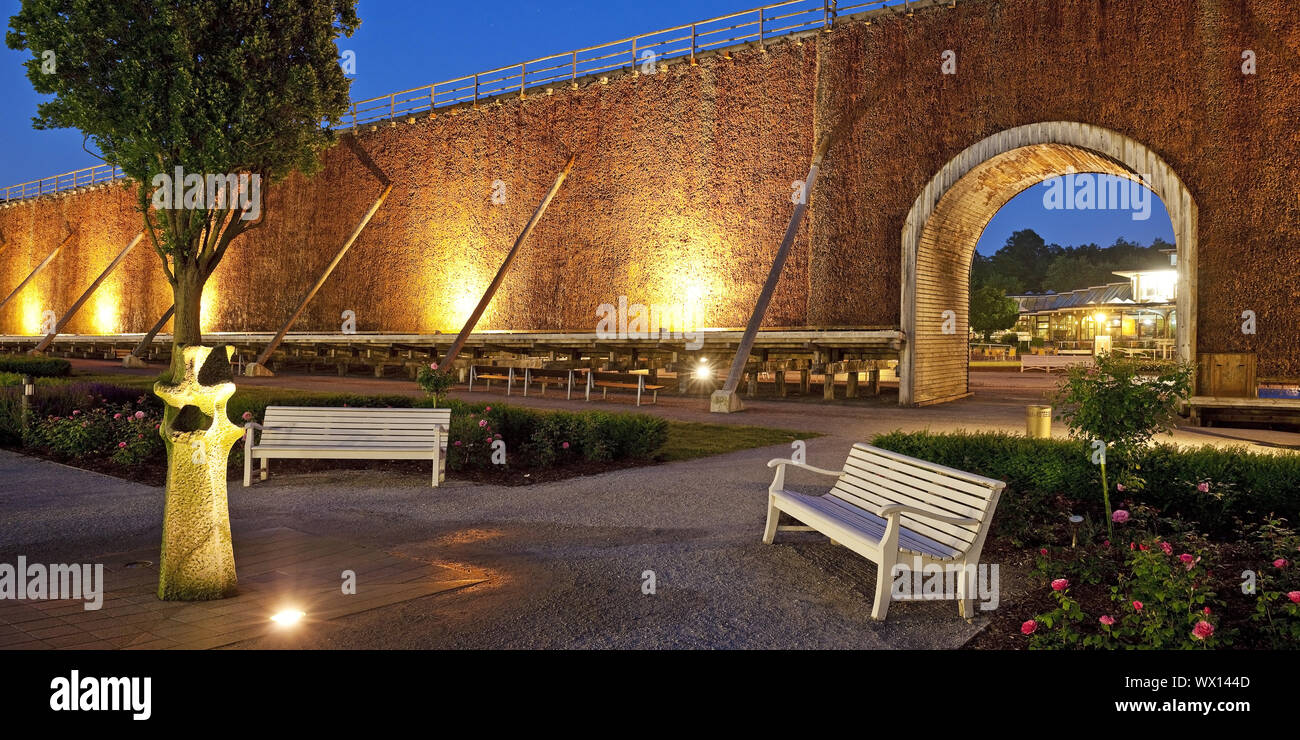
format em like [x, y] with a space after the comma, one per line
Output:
[350, 433]
[873, 480]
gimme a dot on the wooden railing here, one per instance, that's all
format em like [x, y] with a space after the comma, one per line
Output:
[84, 177]
[756, 25]
[690, 40]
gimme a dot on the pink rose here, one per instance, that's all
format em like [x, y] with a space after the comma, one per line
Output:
[139, 414]
[1106, 619]
[1187, 559]
[1105, 543]
[433, 366]
[1137, 606]
[1203, 487]
[248, 416]
[496, 436]
[565, 445]
[1143, 548]
[1119, 487]
[1119, 517]
[1043, 552]
[458, 443]
[117, 416]
[1206, 610]
[1060, 584]
[487, 409]
[1203, 630]
[121, 444]
[482, 423]
[1028, 627]
[1168, 548]
[76, 411]
[1294, 596]
[1280, 563]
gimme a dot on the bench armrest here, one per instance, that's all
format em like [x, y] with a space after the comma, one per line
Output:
[778, 480]
[778, 461]
[893, 509]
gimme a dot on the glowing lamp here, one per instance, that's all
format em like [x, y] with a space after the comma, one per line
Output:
[288, 617]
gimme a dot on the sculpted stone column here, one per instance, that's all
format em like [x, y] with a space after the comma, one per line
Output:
[198, 560]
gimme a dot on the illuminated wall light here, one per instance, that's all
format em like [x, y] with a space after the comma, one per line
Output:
[31, 314]
[208, 306]
[107, 318]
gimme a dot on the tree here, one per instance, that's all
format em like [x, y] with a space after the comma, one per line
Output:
[199, 102]
[991, 310]
[213, 87]
[1025, 257]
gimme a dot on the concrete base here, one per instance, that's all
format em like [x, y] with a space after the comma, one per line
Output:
[133, 361]
[725, 402]
[254, 370]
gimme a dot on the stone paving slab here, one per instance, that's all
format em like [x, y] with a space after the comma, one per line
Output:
[279, 568]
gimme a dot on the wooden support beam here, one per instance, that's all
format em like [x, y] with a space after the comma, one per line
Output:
[726, 400]
[31, 276]
[135, 359]
[483, 302]
[259, 367]
[58, 327]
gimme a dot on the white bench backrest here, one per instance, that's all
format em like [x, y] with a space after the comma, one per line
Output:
[874, 478]
[308, 426]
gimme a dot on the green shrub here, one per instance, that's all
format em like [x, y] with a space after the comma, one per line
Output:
[1208, 486]
[39, 366]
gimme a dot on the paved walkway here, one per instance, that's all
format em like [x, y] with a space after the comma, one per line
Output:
[559, 565]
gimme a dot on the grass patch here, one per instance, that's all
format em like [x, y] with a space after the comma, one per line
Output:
[688, 440]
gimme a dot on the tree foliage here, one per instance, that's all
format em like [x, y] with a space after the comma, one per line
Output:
[215, 87]
[991, 310]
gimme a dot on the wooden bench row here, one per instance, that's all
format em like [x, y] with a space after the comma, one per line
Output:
[567, 379]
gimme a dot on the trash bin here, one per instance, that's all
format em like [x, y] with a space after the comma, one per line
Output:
[1038, 422]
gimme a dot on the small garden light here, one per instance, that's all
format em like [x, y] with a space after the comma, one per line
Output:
[288, 617]
[1075, 521]
[703, 371]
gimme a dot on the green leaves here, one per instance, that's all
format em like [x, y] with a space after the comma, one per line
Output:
[1121, 402]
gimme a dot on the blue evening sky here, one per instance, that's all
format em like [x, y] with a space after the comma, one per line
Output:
[406, 44]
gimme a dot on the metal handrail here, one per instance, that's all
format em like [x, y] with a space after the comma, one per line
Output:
[753, 25]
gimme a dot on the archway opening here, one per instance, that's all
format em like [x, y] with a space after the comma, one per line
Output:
[944, 227]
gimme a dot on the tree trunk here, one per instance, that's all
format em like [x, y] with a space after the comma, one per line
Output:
[188, 296]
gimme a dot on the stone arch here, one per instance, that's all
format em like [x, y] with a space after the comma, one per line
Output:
[946, 221]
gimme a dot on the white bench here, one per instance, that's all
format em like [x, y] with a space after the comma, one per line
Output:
[884, 505]
[332, 433]
[1047, 363]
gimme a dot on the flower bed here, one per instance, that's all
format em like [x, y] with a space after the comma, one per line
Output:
[115, 429]
[1202, 553]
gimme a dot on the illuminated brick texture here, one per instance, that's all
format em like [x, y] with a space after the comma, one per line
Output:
[682, 180]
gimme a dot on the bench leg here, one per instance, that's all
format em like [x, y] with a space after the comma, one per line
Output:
[266, 468]
[248, 469]
[773, 516]
[965, 607]
[884, 585]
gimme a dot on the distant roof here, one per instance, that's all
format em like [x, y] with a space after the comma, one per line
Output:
[1101, 295]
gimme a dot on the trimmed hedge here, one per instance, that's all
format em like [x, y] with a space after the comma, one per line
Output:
[534, 439]
[1242, 485]
[38, 366]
